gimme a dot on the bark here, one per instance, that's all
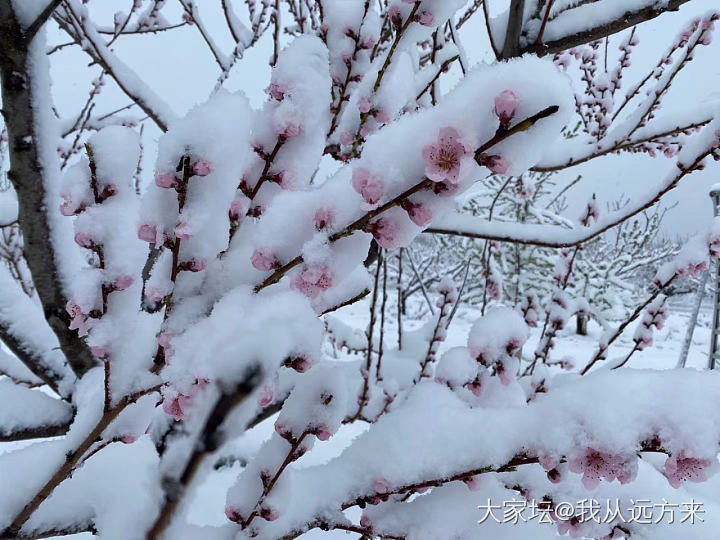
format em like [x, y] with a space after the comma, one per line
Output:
[27, 176]
[581, 324]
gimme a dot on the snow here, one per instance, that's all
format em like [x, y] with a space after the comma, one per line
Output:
[24, 408]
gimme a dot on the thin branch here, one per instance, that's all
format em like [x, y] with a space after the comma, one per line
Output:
[627, 20]
[41, 19]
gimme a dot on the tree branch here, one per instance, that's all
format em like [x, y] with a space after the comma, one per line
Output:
[627, 20]
[35, 432]
[41, 19]
[511, 48]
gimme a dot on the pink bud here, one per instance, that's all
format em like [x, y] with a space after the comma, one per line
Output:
[323, 433]
[419, 214]
[100, 352]
[324, 218]
[233, 514]
[201, 167]
[365, 522]
[122, 282]
[476, 388]
[426, 18]
[238, 208]
[128, 438]
[554, 476]
[300, 364]
[381, 117]
[381, 486]
[364, 105]
[269, 514]
[497, 164]
[83, 239]
[266, 395]
[276, 91]
[263, 259]
[197, 265]
[148, 233]
[165, 180]
[346, 139]
[183, 231]
[506, 103]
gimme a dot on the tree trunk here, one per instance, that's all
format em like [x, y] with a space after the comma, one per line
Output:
[581, 324]
[20, 111]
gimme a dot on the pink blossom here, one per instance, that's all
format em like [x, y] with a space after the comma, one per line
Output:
[323, 432]
[177, 406]
[300, 364]
[572, 526]
[69, 207]
[382, 486]
[79, 320]
[286, 179]
[367, 43]
[284, 432]
[155, 294]
[381, 117]
[269, 514]
[290, 125]
[504, 375]
[195, 265]
[165, 179]
[238, 208]
[506, 103]
[426, 18]
[549, 462]
[324, 218]
[497, 164]
[476, 388]
[365, 521]
[201, 167]
[147, 232]
[99, 351]
[595, 465]
[364, 105]
[445, 156]
[277, 91]
[263, 259]
[266, 395]
[312, 280]
[346, 138]
[445, 189]
[84, 240]
[681, 468]
[122, 282]
[369, 185]
[395, 15]
[385, 232]
[109, 190]
[163, 338]
[366, 130]
[183, 230]
[554, 476]
[419, 214]
[233, 514]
